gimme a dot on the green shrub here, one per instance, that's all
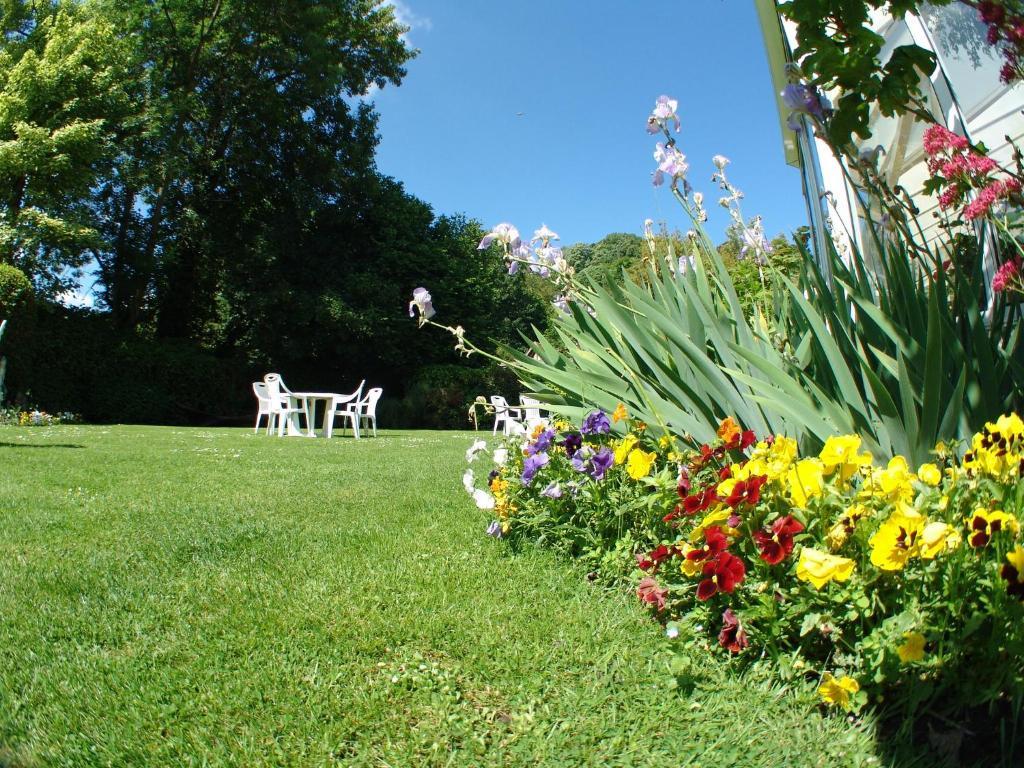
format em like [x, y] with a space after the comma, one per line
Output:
[439, 396]
[14, 289]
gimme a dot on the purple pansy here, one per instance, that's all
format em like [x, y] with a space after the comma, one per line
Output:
[532, 464]
[572, 443]
[595, 423]
[494, 529]
[553, 491]
[601, 462]
[542, 443]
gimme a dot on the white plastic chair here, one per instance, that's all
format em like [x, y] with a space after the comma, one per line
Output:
[346, 406]
[282, 404]
[505, 416]
[265, 409]
[531, 412]
[368, 408]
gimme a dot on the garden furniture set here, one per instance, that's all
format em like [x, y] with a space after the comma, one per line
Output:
[283, 408]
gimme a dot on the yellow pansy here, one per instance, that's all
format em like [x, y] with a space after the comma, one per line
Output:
[998, 449]
[896, 541]
[689, 568]
[619, 413]
[936, 537]
[840, 456]
[984, 523]
[912, 648]
[837, 691]
[892, 484]
[664, 442]
[772, 460]
[1016, 559]
[845, 525]
[805, 481]
[929, 474]
[639, 463]
[718, 516]
[819, 568]
[563, 426]
[622, 449]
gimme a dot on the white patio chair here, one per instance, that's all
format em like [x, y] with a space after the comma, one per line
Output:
[345, 406]
[265, 409]
[368, 408]
[283, 406]
[532, 412]
[505, 416]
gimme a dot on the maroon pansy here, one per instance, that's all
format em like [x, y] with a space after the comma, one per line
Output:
[722, 574]
[776, 543]
[746, 491]
[649, 591]
[732, 637]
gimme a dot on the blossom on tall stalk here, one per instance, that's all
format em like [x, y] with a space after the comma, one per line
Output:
[1005, 24]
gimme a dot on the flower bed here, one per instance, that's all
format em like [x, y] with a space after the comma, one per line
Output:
[874, 579]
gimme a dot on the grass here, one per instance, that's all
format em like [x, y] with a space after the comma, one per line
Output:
[210, 597]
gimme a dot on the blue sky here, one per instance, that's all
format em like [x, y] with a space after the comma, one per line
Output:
[584, 76]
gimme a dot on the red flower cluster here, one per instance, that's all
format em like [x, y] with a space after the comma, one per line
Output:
[958, 166]
[722, 570]
[776, 543]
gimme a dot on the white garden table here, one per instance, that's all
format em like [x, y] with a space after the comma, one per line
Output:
[309, 400]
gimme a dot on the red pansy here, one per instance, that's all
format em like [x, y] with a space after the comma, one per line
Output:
[732, 637]
[776, 543]
[654, 557]
[720, 575]
[649, 591]
[715, 542]
[746, 491]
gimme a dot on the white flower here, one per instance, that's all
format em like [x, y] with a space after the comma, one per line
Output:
[474, 449]
[483, 499]
[544, 234]
[672, 632]
[500, 456]
[467, 481]
[720, 161]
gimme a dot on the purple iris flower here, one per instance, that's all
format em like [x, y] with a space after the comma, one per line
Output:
[572, 443]
[805, 99]
[595, 423]
[542, 443]
[532, 464]
[494, 529]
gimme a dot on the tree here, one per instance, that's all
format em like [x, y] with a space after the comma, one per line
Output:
[247, 130]
[62, 78]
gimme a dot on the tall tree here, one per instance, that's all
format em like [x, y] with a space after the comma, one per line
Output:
[63, 71]
[249, 118]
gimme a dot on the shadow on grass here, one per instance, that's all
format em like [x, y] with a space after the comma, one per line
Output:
[4, 444]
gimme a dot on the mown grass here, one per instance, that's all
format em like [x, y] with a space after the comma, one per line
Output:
[198, 597]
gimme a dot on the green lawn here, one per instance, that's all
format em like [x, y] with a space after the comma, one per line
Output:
[210, 597]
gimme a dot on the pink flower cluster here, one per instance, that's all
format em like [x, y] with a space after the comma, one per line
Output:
[1008, 277]
[957, 166]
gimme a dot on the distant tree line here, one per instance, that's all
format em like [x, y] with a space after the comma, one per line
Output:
[209, 166]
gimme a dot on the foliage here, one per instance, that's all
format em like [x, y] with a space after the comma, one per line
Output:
[838, 50]
[63, 72]
[14, 289]
[226, 585]
[439, 396]
[872, 579]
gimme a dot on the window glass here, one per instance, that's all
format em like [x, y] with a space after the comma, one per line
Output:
[970, 64]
